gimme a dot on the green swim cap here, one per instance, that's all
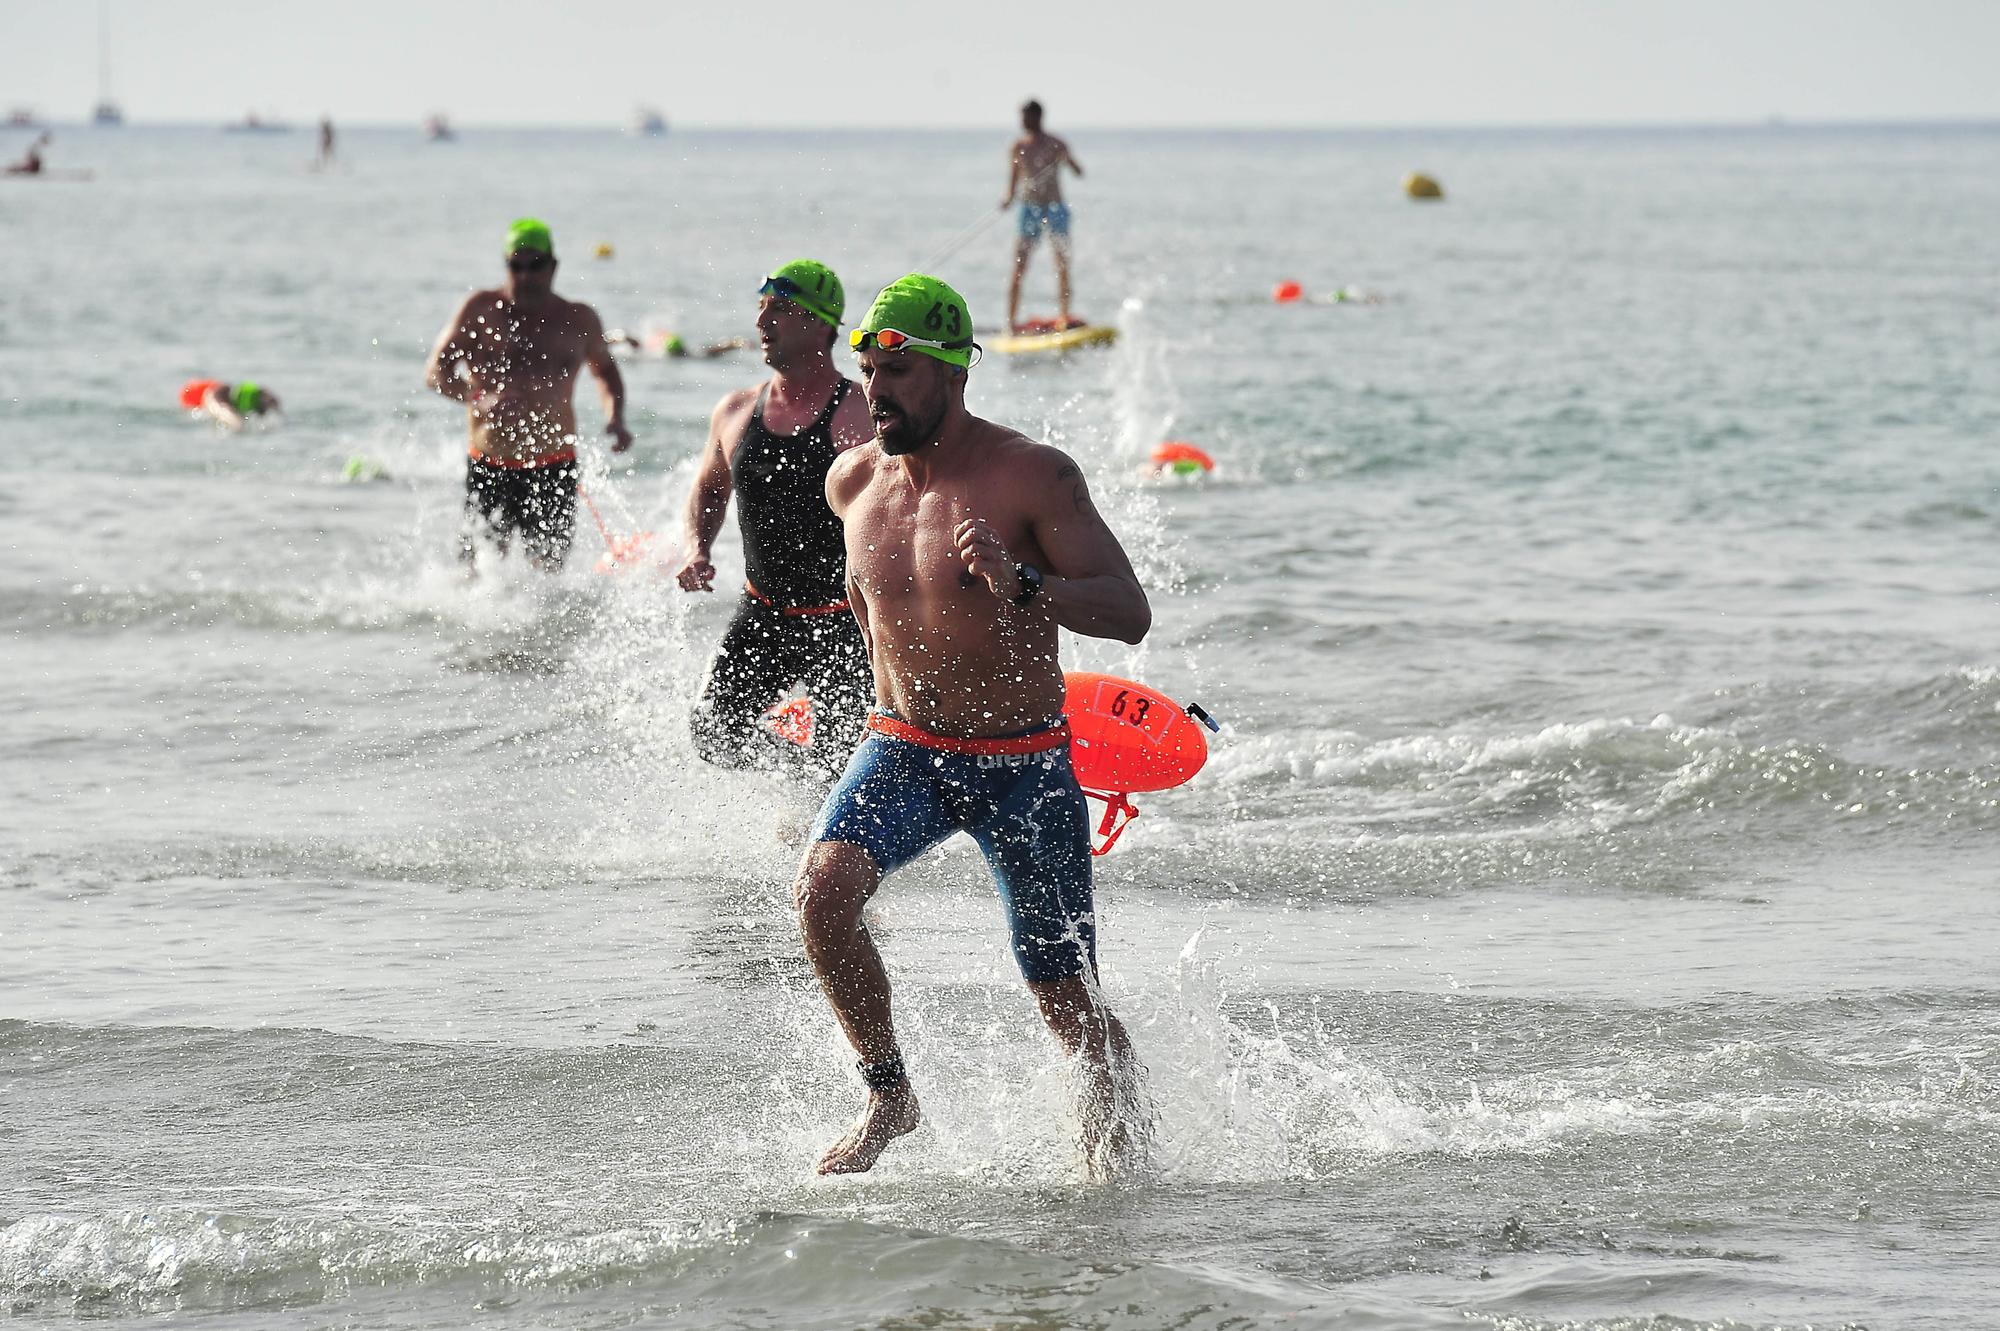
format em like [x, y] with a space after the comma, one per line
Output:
[245, 398]
[925, 307]
[528, 233]
[811, 286]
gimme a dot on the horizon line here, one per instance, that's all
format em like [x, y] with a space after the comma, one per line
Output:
[416, 125]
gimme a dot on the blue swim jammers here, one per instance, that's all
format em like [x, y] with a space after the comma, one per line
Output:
[901, 796]
[1038, 219]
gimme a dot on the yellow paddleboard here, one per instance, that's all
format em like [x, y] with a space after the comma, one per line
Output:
[1067, 339]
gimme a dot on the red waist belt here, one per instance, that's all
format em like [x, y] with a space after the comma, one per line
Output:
[523, 464]
[1055, 737]
[833, 608]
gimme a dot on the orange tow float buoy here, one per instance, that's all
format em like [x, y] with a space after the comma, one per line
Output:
[1285, 293]
[792, 720]
[1181, 458]
[1126, 739]
[195, 390]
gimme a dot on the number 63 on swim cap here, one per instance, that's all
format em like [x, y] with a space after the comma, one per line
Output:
[913, 301]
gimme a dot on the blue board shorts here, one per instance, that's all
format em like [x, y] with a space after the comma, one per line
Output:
[899, 798]
[1040, 218]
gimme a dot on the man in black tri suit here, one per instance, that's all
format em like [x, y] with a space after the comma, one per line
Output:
[772, 445]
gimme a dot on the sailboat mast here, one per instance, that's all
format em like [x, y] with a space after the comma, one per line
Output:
[103, 51]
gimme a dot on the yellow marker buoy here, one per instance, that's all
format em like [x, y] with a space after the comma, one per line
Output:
[1420, 186]
[603, 250]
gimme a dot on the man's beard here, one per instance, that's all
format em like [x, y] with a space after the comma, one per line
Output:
[906, 435]
[787, 358]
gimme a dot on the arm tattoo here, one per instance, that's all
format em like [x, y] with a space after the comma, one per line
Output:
[1080, 493]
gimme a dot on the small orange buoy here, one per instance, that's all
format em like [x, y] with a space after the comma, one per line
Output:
[792, 720]
[1127, 738]
[1420, 186]
[1181, 458]
[195, 390]
[1287, 292]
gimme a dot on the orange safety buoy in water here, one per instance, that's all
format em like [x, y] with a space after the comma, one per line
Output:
[1287, 292]
[1181, 458]
[1126, 739]
[194, 391]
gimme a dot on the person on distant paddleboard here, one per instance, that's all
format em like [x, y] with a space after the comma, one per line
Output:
[968, 545]
[772, 445]
[1034, 175]
[31, 160]
[230, 405]
[511, 354]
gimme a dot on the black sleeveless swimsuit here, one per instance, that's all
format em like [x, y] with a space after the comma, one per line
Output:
[792, 626]
[794, 553]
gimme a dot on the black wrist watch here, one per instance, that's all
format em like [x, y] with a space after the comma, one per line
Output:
[1031, 583]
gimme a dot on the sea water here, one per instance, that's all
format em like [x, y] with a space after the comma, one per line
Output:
[1587, 917]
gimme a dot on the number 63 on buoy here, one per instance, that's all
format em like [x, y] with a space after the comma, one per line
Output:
[1127, 739]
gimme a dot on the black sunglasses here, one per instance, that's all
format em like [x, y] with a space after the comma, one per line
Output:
[529, 265]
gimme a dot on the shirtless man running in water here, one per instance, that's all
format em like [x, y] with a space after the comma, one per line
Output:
[511, 356]
[967, 545]
[1034, 175]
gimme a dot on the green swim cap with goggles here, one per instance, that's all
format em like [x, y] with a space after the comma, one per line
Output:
[247, 398]
[528, 233]
[920, 313]
[810, 285]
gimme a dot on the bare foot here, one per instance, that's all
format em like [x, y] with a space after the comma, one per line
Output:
[1115, 1120]
[1105, 1140]
[1117, 1149]
[886, 1116]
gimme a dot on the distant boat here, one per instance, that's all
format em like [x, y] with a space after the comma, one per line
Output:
[106, 112]
[252, 123]
[648, 120]
[22, 117]
[438, 130]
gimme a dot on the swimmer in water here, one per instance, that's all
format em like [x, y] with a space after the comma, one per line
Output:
[968, 547]
[670, 346]
[231, 406]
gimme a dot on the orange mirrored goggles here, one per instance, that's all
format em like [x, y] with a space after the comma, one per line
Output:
[895, 339]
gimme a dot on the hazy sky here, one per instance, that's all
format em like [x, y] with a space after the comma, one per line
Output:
[938, 63]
